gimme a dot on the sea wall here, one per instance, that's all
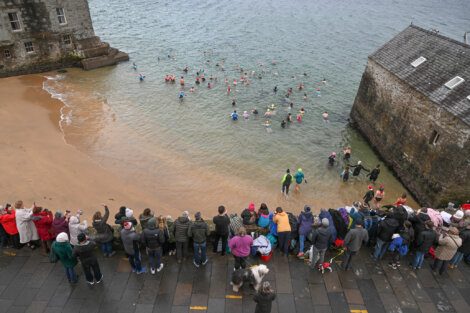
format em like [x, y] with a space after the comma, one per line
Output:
[402, 125]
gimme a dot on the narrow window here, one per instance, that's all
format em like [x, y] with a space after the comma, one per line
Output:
[434, 138]
[29, 46]
[61, 15]
[454, 82]
[418, 61]
[67, 40]
[7, 54]
[14, 21]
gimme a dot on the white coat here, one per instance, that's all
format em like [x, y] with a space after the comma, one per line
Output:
[26, 226]
[76, 228]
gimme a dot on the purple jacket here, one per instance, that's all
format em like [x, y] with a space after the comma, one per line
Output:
[60, 225]
[241, 245]
[305, 223]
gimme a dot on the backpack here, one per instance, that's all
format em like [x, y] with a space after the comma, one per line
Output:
[293, 222]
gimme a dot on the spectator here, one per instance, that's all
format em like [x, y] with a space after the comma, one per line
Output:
[283, 230]
[199, 231]
[385, 231]
[446, 249]
[75, 228]
[43, 223]
[104, 232]
[222, 224]
[264, 298]
[240, 246]
[306, 223]
[353, 242]
[85, 252]
[153, 238]
[63, 250]
[8, 221]
[130, 241]
[464, 249]
[144, 217]
[60, 224]
[25, 224]
[180, 230]
[170, 245]
[424, 241]
[249, 215]
[321, 239]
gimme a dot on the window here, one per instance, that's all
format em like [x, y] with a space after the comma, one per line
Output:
[14, 21]
[7, 54]
[29, 46]
[454, 82]
[67, 40]
[418, 61]
[434, 138]
[61, 15]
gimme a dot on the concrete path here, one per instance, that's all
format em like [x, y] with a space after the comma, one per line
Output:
[29, 283]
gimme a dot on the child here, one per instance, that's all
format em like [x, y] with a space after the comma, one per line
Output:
[264, 298]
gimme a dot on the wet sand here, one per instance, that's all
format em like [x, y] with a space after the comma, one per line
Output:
[37, 165]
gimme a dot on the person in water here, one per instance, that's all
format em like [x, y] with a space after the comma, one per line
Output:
[228, 89]
[332, 159]
[302, 110]
[374, 174]
[134, 66]
[254, 111]
[141, 77]
[345, 174]
[181, 95]
[358, 167]
[299, 178]
[234, 115]
[275, 89]
[369, 195]
[379, 195]
[325, 117]
[283, 124]
[289, 118]
[209, 85]
[299, 117]
[286, 181]
[246, 115]
[197, 80]
[191, 89]
[182, 81]
[268, 113]
[347, 153]
[186, 69]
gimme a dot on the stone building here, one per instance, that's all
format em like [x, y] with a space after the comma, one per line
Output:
[41, 35]
[413, 106]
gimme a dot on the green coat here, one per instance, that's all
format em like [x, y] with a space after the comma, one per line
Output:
[63, 250]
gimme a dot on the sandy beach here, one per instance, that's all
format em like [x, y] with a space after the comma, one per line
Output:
[37, 164]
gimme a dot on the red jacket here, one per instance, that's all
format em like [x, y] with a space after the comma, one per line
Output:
[43, 225]
[8, 222]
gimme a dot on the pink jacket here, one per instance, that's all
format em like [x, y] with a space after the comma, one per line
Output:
[241, 245]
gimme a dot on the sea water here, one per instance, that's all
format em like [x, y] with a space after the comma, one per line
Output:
[189, 153]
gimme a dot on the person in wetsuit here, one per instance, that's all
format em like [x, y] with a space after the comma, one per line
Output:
[286, 181]
[358, 168]
[369, 195]
[374, 174]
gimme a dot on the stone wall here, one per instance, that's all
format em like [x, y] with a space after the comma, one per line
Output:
[400, 123]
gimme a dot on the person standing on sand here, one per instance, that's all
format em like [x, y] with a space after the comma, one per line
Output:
[369, 195]
[374, 174]
[299, 178]
[286, 181]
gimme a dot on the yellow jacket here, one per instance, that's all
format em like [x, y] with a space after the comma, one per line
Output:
[282, 221]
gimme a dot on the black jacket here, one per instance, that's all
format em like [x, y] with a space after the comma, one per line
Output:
[199, 231]
[85, 252]
[425, 240]
[153, 238]
[104, 232]
[321, 237]
[180, 229]
[264, 302]
[222, 223]
[465, 247]
[387, 228]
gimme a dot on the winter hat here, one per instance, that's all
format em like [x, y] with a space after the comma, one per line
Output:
[359, 162]
[73, 220]
[458, 215]
[127, 225]
[81, 237]
[151, 223]
[251, 207]
[299, 170]
[197, 216]
[307, 208]
[395, 236]
[129, 213]
[370, 187]
[185, 214]
[325, 222]
[62, 237]
[58, 214]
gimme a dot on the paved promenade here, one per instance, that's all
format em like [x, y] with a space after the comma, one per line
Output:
[29, 283]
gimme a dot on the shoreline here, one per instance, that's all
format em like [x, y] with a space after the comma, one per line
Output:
[39, 165]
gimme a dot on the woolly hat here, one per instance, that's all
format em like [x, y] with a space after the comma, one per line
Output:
[395, 236]
[251, 207]
[325, 222]
[307, 208]
[370, 187]
[58, 214]
[62, 237]
[129, 213]
[127, 225]
[359, 162]
[299, 170]
[197, 216]
[81, 237]
[458, 215]
[185, 214]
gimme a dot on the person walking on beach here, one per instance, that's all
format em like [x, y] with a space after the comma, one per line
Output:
[264, 298]
[374, 174]
[153, 239]
[240, 247]
[222, 224]
[198, 230]
[180, 230]
[85, 252]
[286, 181]
[63, 251]
[130, 241]
[299, 178]
[283, 230]
[104, 232]
[353, 242]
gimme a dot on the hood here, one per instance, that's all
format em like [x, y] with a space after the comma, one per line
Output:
[183, 219]
[282, 214]
[307, 215]
[73, 220]
[151, 224]
[62, 237]
[58, 220]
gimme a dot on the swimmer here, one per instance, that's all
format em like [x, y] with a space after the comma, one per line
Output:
[209, 85]
[325, 117]
[324, 81]
[228, 89]
[254, 111]
[134, 66]
[289, 118]
[234, 102]
[203, 78]
[226, 81]
[305, 96]
[332, 159]
[267, 123]
[234, 82]
[186, 69]
[275, 89]
[283, 124]
[289, 91]
[246, 115]
[272, 106]
[197, 80]
[268, 113]
[181, 95]
[299, 118]
[302, 111]
[234, 115]
[182, 81]
[291, 105]
[347, 153]
[141, 77]
[211, 78]
[191, 89]
[301, 86]
[318, 92]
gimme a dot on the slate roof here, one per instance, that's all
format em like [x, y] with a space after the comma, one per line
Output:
[446, 58]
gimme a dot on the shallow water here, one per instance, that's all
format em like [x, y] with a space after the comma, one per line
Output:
[190, 153]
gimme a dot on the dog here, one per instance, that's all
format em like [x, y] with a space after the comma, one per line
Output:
[253, 275]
